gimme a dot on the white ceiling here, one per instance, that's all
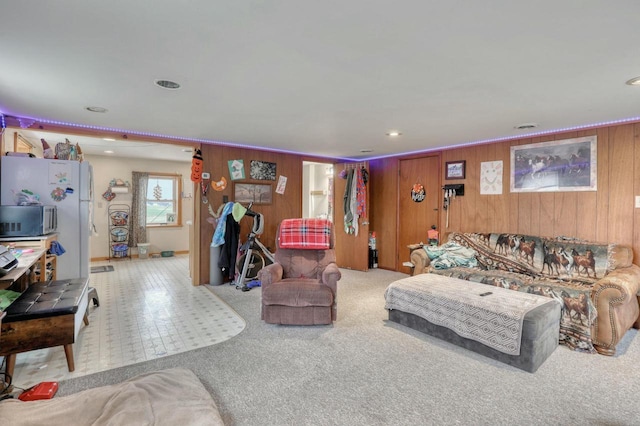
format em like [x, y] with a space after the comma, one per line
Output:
[323, 77]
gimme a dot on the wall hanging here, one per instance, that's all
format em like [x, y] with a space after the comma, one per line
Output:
[491, 177]
[418, 194]
[455, 169]
[566, 165]
[262, 170]
[236, 169]
[256, 193]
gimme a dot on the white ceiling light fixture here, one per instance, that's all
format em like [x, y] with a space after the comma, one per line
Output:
[96, 109]
[394, 133]
[167, 84]
[109, 151]
[634, 81]
[365, 150]
[109, 139]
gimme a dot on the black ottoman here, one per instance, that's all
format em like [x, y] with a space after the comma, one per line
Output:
[45, 315]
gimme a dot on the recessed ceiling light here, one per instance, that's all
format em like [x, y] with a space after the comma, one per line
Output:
[109, 139]
[525, 126]
[167, 84]
[364, 150]
[393, 133]
[96, 109]
[108, 151]
[634, 81]
[187, 150]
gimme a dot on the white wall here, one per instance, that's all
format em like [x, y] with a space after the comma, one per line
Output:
[315, 180]
[105, 169]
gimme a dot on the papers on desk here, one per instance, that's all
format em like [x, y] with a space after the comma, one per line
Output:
[19, 252]
[6, 298]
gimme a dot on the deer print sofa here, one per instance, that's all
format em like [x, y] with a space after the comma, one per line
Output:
[596, 283]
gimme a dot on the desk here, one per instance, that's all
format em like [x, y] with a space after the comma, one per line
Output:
[48, 265]
[25, 262]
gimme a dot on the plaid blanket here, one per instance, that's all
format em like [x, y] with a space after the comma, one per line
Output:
[311, 234]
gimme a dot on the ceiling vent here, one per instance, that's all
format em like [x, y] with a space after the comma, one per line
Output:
[525, 126]
[167, 84]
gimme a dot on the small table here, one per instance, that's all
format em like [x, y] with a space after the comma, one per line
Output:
[411, 248]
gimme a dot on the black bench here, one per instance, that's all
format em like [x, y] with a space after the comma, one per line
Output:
[45, 315]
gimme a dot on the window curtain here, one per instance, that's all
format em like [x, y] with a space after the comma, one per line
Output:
[138, 222]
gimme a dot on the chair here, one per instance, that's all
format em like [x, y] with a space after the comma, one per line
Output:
[300, 287]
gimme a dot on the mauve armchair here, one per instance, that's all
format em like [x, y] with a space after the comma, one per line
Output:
[300, 288]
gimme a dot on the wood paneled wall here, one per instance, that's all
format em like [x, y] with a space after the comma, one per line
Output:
[288, 205]
[605, 215]
[383, 209]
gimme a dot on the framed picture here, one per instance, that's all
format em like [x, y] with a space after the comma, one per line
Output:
[262, 170]
[566, 165]
[256, 193]
[455, 169]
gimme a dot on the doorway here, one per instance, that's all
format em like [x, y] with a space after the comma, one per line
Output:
[417, 217]
[317, 187]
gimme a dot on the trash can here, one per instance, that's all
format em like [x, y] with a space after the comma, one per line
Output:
[143, 250]
[215, 273]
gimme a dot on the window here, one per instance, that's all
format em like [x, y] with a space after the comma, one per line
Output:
[163, 200]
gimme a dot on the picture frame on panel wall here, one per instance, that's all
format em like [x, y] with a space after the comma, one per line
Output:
[256, 193]
[556, 166]
[262, 170]
[455, 169]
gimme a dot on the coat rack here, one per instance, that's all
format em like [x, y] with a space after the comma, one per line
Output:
[348, 166]
[451, 191]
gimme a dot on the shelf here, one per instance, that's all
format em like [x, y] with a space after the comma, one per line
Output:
[119, 231]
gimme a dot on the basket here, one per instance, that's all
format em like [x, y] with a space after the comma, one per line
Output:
[119, 218]
[120, 250]
[119, 235]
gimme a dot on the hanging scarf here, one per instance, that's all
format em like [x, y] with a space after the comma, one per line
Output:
[218, 235]
[354, 203]
[361, 194]
[348, 212]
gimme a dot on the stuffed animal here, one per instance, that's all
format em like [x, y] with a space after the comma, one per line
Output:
[79, 153]
[196, 166]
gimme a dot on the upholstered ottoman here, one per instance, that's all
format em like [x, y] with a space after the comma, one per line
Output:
[45, 315]
[540, 325]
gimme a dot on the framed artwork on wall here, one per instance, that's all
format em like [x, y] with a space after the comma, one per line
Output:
[262, 170]
[566, 165]
[256, 193]
[455, 169]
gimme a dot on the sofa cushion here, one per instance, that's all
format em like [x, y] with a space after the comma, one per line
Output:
[304, 263]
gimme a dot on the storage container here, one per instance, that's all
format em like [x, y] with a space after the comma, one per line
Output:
[143, 250]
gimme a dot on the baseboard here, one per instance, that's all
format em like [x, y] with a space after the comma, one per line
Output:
[100, 259]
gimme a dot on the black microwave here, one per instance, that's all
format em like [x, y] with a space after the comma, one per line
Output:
[28, 221]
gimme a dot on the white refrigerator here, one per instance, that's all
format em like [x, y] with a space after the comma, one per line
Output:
[68, 185]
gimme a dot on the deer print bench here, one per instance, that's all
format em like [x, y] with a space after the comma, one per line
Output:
[597, 284]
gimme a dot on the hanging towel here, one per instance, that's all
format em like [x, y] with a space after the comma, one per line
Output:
[218, 235]
[56, 248]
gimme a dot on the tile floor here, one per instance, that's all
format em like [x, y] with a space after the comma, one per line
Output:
[148, 309]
